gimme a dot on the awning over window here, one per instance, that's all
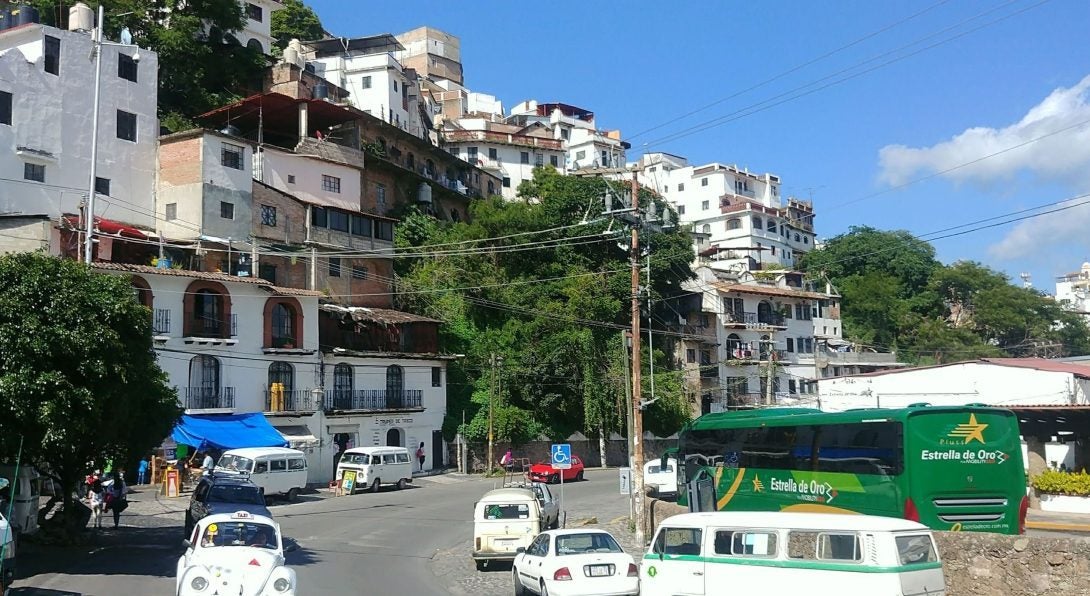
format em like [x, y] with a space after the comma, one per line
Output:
[227, 431]
[298, 436]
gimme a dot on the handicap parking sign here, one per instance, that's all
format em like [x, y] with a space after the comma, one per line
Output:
[561, 456]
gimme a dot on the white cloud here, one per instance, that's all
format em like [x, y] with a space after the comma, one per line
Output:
[1062, 158]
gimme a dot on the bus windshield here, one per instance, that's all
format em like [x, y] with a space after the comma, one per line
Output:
[897, 463]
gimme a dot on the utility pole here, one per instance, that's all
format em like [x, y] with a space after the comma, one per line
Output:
[89, 237]
[628, 422]
[637, 411]
[768, 382]
[491, 398]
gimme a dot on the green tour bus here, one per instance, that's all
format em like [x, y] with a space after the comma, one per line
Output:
[949, 468]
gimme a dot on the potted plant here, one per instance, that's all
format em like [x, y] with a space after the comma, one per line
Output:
[1065, 492]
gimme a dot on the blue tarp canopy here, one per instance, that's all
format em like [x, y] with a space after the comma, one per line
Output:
[227, 431]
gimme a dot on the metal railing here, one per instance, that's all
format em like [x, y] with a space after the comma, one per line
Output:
[283, 342]
[221, 327]
[292, 400]
[373, 399]
[209, 398]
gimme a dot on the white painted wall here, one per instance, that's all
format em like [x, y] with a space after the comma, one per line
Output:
[259, 30]
[51, 126]
[958, 384]
[508, 161]
[382, 97]
[278, 165]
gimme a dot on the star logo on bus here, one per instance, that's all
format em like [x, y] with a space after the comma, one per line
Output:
[758, 486]
[970, 431]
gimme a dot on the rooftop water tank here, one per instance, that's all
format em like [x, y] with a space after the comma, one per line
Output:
[321, 90]
[81, 17]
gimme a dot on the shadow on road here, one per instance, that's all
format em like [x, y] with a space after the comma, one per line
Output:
[40, 592]
[151, 552]
[295, 555]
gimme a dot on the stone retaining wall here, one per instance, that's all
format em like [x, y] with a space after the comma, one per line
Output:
[979, 564]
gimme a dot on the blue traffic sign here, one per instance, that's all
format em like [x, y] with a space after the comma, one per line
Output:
[561, 456]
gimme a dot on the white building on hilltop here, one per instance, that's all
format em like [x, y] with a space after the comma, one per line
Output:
[47, 79]
[586, 146]
[257, 29]
[1073, 291]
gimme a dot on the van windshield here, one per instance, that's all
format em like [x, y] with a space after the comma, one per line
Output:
[498, 511]
[235, 463]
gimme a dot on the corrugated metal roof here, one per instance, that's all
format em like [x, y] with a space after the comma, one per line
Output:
[770, 291]
[376, 315]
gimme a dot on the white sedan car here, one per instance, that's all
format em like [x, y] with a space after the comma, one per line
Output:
[240, 554]
[575, 563]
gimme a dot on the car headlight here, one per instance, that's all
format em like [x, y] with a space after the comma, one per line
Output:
[281, 585]
[199, 583]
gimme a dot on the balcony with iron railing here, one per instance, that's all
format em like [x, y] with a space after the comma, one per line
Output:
[373, 399]
[216, 327]
[291, 400]
[209, 398]
[752, 320]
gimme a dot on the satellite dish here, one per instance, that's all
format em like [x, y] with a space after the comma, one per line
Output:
[126, 36]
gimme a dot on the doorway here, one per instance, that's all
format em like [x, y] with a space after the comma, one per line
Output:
[393, 438]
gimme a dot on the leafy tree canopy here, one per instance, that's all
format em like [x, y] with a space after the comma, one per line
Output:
[897, 296]
[202, 65]
[79, 382]
[561, 373]
[296, 20]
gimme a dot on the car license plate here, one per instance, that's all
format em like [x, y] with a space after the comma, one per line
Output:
[599, 570]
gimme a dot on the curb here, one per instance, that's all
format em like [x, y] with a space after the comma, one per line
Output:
[1058, 527]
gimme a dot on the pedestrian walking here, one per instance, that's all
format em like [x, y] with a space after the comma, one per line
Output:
[420, 455]
[116, 499]
[142, 471]
[207, 464]
[507, 461]
[97, 498]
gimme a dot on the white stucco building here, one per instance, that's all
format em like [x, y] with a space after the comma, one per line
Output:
[587, 147]
[256, 31]
[510, 152]
[1073, 291]
[47, 80]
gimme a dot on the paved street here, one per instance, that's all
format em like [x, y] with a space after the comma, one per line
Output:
[411, 542]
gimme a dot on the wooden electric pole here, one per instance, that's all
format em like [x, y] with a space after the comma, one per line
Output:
[637, 409]
[491, 398]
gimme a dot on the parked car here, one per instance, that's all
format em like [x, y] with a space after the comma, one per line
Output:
[576, 563]
[550, 507]
[544, 472]
[504, 520]
[234, 553]
[829, 554]
[217, 493]
[277, 470]
[661, 481]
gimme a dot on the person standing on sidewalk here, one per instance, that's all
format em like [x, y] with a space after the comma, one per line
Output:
[116, 499]
[420, 455]
[142, 471]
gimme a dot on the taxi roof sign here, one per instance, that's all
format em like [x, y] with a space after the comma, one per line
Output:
[242, 515]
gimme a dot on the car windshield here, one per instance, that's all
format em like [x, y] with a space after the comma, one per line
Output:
[236, 494]
[235, 463]
[590, 542]
[233, 533]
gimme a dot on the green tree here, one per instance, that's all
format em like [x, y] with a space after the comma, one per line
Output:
[79, 381]
[296, 21]
[865, 250]
[559, 372]
[202, 65]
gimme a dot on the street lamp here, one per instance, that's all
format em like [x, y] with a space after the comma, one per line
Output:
[96, 47]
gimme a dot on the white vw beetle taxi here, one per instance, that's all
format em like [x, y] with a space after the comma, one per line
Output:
[240, 554]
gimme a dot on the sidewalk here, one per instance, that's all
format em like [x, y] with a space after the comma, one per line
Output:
[1057, 522]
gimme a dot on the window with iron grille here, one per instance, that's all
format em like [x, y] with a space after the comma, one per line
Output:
[231, 156]
[283, 325]
[331, 183]
[268, 215]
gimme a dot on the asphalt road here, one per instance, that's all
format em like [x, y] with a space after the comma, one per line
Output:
[364, 544]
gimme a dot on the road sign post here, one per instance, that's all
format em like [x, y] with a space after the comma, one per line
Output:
[561, 460]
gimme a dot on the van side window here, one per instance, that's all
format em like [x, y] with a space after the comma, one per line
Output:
[261, 467]
[402, 458]
[278, 465]
[914, 550]
[839, 547]
[297, 464]
[389, 458]
[741, 543]
[678, 541]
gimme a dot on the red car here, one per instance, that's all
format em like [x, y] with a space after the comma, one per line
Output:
[544, 472]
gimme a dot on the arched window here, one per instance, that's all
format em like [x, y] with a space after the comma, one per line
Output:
[797, 237]
[143, 291]
[204, 383]
[764, 312]
[283, 326]
[207, 307]
[283, 373]
[254, 44]
[706, 228]
[395, 386]
[734, 223]
[342, 386]
[806, 240]
[735, 348]
[393, 438]
[757, 223]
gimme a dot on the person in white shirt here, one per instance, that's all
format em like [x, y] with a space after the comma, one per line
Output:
[207, 464]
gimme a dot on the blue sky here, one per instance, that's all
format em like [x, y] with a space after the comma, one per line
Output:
[640, 64]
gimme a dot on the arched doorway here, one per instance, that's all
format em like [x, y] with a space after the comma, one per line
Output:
[393, 438]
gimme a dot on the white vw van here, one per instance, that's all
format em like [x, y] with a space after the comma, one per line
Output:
[375, 466]
[504, 520]
[277, 470]
[26, 496]
[826, 554]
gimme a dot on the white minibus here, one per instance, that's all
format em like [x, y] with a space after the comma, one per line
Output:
[277, 470]
[375, 466]
[821, 554]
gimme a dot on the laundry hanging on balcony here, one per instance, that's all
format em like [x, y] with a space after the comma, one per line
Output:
[227, 431]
